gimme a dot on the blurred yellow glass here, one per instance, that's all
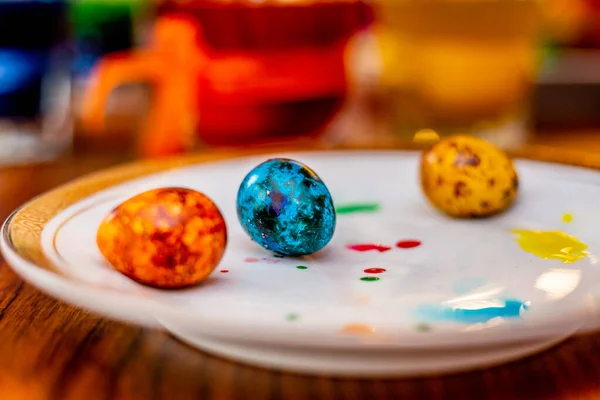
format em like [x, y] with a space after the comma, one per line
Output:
[458, 66]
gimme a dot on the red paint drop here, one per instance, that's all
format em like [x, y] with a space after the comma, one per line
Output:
[368, 247]
[251, 259]
[374, 270]
[224, 271]
[408, 244]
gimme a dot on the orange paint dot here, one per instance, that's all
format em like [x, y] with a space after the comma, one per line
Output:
[363, 299]
[358, 329]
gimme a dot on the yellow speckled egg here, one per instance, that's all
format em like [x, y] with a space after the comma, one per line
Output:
[464, 176]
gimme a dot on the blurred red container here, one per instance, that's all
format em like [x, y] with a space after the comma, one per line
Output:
[236, 72]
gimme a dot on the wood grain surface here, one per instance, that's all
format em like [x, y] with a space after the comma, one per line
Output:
[50, 350]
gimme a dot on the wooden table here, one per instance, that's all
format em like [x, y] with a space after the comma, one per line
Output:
[50, 350]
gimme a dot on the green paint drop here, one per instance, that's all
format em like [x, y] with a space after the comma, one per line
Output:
[357, 208]
[301, 267]
[292, 317]
[369, 279]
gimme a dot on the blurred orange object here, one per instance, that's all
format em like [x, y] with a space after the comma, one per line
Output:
[226, 96]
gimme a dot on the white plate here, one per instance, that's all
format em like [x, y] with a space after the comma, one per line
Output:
[472, 265]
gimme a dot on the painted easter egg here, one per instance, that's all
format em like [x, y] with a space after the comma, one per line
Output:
[285, 207]
[465, 176]
[166, 238]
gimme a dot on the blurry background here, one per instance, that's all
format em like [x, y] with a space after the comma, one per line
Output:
[164, 77]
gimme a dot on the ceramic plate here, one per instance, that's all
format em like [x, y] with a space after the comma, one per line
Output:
[441, 283]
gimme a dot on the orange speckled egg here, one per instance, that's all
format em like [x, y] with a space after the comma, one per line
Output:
[166, 238]
[465, 176]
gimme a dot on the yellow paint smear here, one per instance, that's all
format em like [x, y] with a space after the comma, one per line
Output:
[554, 245]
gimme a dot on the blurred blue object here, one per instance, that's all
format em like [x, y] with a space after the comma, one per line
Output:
[32, 33]
[35, 118]
[17, 68]
[21, 79]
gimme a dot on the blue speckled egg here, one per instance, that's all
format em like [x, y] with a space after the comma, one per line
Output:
[286, 208]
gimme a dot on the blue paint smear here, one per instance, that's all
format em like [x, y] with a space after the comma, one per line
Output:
[508, 308]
